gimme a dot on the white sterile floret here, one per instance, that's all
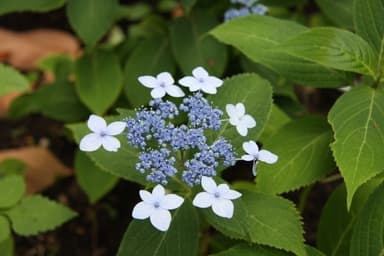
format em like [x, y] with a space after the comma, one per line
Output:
[102, 135]
[238, 118]
[156, 206]
[201, 80]
[218, 197]
[162, 84]
[255, 155]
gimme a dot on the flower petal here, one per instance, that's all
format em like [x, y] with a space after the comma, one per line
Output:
[268, 157]
[254, 168]
[223, 208]
[171, 201]
[96, 123]
[240, 109]
[200, 72]
[115, 128]
[142, 211]
[146, 196]
[222, 189]
[158, 92]
[214, 81]
[208, 88]
[248, 121]
[191, 82]
[231, 194]
[203, 200]
[174, 91]
[251, 147]
[110, 143]
[166, 78]
[90, 142]
[241, 129]
[158, 192]
[247, 158]
[148, 81]
[208, 184]
[161, 219]
[231, 110]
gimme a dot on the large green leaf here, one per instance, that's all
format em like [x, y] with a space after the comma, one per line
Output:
[99, 80]
[141, 238]
[340, 11]
[369, 23]
[95, 182]
[7, 6]
[6, 247]
[367, 235]
[91, 18]
[254, 32]
[193, 47]
[334, 48]
[12, 188]
[357, 119]
[256, 95]
[150, 57]
[37, 214]
[5, 229]
[304, 156]
[336, 221]
[262, 219]
[11, 80]
[57, 101]
[121, 163]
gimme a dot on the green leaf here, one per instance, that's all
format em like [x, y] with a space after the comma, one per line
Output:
[95, 182]
[12, 188]
[11, 166]
[357, 119]
[141, 238]
[334, 48]
[369, 23]
[91, 19]
[336, 222]
[193, 47]
[262, 219]
[99, 80]
[367, 235]
[5, 229]
[277, 119]
[150, 57]
[255, 32]
[340, 11]
[256, 95]
[37, 214]
[188, 4]
[304, 156]
[57, 101]
[11, 80]
[6, 247]
[121, 163]
[7, 6]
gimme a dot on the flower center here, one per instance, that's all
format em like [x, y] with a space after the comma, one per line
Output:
[216, 194]
[201, 80]
[156, 205]
[162, 85]
[103, 134]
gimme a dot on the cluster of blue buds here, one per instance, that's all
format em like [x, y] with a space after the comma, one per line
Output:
[159, 140]
[246, 7]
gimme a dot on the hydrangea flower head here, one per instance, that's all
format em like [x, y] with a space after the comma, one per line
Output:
[156, 206]
[246, 7]
[238, 118]
[162, 84]
[218, 197]
[102, 135]
[256, 155]
[201, 80]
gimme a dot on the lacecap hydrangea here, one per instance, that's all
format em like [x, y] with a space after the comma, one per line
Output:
[180, 150]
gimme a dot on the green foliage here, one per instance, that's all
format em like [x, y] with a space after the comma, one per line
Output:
[255, 93]
[188, 4]
[91, 18]
[262, 219]
[99, 80]
[7, 6]
[304, 156]
[252, 33]
[11, 80]
[277, 119]
[340, 12]
[357, 119]
[6, 247]
[37, 214]
[5, 230]
[95, 182]
[12, 188]
[203, 50]
[180, 239]
[12, 166]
